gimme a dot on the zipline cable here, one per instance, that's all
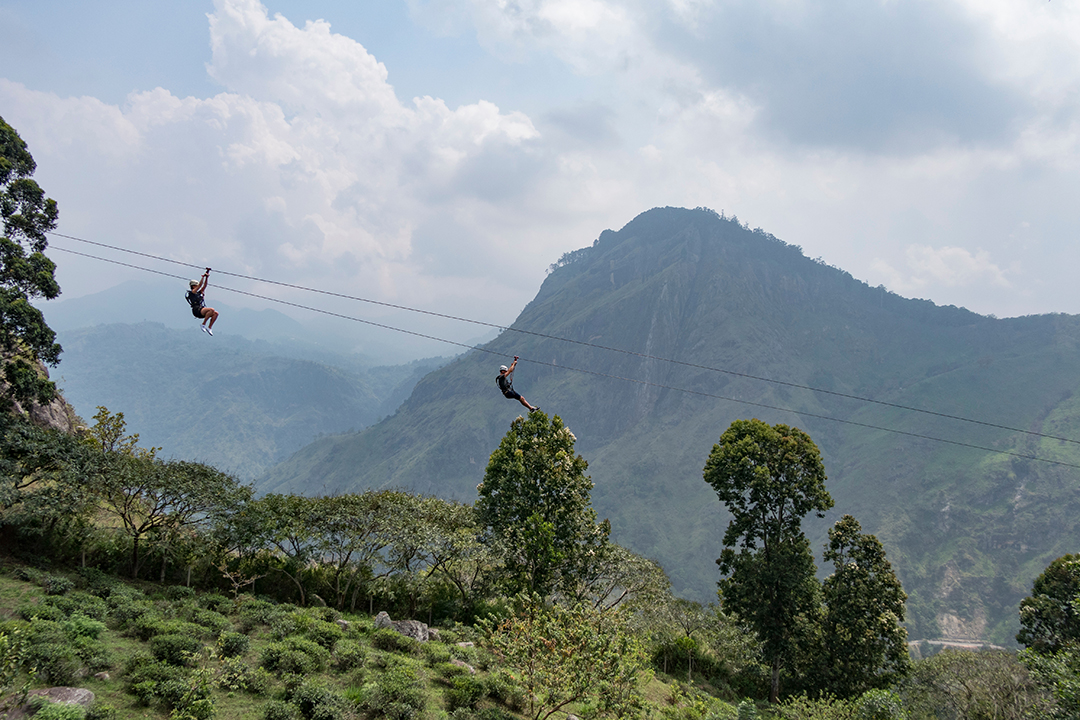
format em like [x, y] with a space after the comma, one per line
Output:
[596, 346]
[646, 383]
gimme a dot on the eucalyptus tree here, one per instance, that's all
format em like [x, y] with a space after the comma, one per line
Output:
[535, 506]
[25, 273]
[769, 478]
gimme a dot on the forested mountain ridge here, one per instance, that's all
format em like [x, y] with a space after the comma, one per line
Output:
[966, 529]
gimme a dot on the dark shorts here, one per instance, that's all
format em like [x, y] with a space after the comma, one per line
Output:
[511, 395]
[197, 312]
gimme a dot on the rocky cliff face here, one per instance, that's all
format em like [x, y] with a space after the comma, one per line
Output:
[58, 414]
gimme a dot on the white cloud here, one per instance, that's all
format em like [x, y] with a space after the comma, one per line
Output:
[945, 266]
[308, 164]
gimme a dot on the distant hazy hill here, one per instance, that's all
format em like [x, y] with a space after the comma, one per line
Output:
[234, 403]
[968, 530]
[316, 337]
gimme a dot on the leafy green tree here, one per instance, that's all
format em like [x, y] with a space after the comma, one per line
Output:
[965, 685]
[535, 506]
[570, 655]
[351, 531]
[285, 524]
[615, 576]
[1059, 673]
[25, 273]
[150, 497]
[864, 645]
[1050, 616]
[769, 477]
[32, 460]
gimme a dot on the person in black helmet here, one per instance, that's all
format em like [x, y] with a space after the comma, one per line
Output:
[505, 381]
[197, 302]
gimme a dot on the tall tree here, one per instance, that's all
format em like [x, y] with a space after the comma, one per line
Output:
[769, 477]
[1050, 616]
[535, 506]
[865, 646]
[25, 273]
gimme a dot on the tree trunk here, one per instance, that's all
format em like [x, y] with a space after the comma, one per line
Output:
[135, 558]
[774, 686]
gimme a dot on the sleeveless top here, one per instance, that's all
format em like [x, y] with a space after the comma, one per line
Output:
[195, 300]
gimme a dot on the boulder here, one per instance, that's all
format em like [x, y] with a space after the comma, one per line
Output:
[65, 695]
[409, 628]
[463, 664]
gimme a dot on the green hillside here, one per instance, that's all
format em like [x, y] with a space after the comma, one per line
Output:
[967, 529]
[238, 404]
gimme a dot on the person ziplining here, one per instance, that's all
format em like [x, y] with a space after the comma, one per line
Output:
[505, 381]
[197, 300]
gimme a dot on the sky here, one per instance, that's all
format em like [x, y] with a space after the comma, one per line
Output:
[442, 154]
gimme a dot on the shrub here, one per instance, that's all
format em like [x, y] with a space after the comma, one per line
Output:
[231, 644]
[294, 655]
[253, 613]
[59, 711]
[448, 671]
[235, 674]
[465, 691]
[93, 654]
[502, 687]
[97, 582]
[325, 633]
[216, 602]
[56, 584]
[179, 592]
[174, 648]
[80, 602]
[435, 653]
[213, 621]
[33, 611]
[280, 710]
[149, 626]
[397, 693]
[56, 662]
[317, 702]
[348, 655]
[101, 711]
[126, 607]
[285, 625]
[393, 641]
[79, 625]
[879, 705]
[28, 574]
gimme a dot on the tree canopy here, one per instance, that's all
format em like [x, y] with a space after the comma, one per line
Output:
[769, 477]
[535, 505]
[25, 273]
[1050, 616]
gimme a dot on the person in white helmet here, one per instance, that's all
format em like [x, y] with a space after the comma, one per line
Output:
[197, 301]
[505, 381]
